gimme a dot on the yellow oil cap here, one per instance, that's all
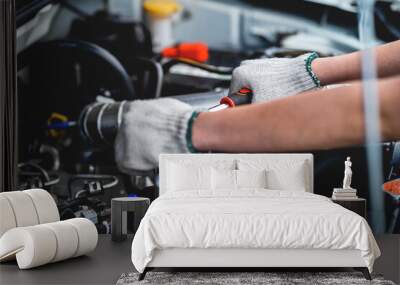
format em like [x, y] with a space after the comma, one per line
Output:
[161, 8]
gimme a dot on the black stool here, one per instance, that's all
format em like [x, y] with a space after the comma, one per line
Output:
[119, 215]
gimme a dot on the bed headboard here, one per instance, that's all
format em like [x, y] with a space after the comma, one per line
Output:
[205, 159]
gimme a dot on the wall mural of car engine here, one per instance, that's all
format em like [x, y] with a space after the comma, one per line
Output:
[82, 61]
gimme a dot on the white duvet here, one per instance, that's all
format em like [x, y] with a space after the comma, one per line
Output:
[250, 219]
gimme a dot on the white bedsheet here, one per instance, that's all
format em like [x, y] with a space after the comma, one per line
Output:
[250, 219]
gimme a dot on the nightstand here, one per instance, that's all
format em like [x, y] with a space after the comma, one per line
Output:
[357, 205]
[119, 215]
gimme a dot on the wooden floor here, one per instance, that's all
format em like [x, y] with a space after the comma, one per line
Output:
[110, 260]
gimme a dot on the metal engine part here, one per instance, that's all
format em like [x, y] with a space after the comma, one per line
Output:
[99, 122]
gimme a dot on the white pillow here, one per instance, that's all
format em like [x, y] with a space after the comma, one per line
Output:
[251, 178]
[223, 179]
[281, 174]
[183, 177]
[287, 179]
[204, 162]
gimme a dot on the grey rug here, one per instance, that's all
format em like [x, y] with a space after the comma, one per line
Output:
[269, 278]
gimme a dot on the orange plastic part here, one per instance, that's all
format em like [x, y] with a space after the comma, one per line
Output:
[392, 186]
[194, 51]
[244, 90]
[228, 101]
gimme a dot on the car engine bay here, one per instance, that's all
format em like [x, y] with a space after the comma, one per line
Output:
[79, 61]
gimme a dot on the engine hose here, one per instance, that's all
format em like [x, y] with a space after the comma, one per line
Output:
[99, 122]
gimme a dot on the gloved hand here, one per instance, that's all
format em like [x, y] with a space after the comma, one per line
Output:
[274, 78]
[152, 127]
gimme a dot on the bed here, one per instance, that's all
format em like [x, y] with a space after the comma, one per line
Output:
[246, 211]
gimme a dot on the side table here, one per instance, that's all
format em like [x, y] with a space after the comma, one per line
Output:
[357, 205]
[119, 215]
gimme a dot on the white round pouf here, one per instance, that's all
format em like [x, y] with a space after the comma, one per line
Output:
[45, 206]
[87, 234]
[67, 240]
[30, 230]
[32, 246]
[7, 218]
[23, 208]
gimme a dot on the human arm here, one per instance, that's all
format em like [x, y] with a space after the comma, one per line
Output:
[275, 78]
[347, 67]
[320, 119]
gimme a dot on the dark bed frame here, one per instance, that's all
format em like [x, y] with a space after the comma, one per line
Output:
[363, 270]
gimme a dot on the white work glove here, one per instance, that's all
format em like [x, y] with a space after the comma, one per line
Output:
[152, 127]
[274, 78]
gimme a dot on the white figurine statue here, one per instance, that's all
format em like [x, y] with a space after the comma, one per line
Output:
[348, 173]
